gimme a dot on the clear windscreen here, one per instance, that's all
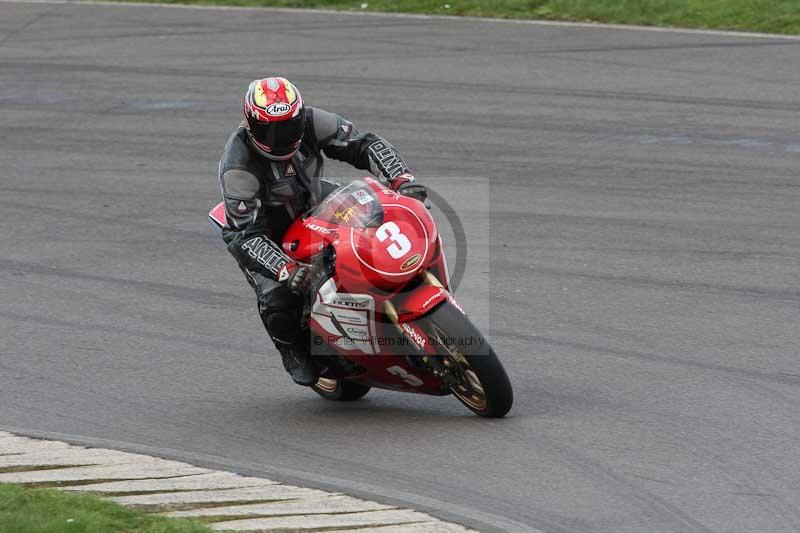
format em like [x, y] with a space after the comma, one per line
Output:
[354, 204]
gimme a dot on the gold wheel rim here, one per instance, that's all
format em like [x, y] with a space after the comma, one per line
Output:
[471, 393]
[327, 384]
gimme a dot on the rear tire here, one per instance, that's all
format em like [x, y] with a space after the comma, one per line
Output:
[485, 388]
[339, 390]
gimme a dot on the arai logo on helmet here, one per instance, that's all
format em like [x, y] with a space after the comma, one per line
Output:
[278, 109]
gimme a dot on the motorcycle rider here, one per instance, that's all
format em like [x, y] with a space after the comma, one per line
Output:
[270, 174]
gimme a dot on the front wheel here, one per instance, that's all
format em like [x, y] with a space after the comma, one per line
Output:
[339, 390]
[482, 383]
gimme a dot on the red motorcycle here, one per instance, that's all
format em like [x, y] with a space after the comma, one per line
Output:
[381, 313]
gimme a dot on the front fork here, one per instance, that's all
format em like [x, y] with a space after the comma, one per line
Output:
[423, 357]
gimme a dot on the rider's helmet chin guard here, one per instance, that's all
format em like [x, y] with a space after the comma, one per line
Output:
[275, 117]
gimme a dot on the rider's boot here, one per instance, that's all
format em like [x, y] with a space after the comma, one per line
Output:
[298, 362]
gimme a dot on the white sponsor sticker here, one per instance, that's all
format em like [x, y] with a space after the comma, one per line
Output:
[347, 316]
[318, 228]
[361, 196]
[415, 335]
[411, 379]
[356, 333]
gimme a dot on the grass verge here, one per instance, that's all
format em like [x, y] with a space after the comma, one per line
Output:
[24, 510]
[771, 16]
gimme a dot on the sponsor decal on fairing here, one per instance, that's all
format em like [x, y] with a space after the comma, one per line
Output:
[345, 215]
[355, 311]
[415, 336]
[318, 228]
[410, 262]
[362, 196]
[358, 333]
[432, 299]
[455, 304]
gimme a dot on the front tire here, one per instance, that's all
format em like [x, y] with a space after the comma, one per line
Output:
[483, 385]
[339, 390]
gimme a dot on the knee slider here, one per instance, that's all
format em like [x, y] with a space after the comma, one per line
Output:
[280, 325]
[280, 315]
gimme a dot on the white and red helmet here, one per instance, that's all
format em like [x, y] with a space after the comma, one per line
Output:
[274, 117]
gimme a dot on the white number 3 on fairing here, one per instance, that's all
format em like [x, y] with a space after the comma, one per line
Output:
[399, 371]
[400, 244]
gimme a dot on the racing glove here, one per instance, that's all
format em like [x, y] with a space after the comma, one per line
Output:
[297, 276]
[407, 185]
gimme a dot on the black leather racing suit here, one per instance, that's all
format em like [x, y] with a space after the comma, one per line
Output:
[262, 198]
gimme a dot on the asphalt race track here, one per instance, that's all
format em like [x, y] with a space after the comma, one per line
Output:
[643, 250]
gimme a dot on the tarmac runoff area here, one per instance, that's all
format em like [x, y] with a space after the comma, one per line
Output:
[230, 501]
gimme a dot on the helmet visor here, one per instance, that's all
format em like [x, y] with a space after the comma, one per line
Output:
[278, 138]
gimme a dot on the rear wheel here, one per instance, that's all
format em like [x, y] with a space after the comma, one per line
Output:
[339, 390]
[482, 383]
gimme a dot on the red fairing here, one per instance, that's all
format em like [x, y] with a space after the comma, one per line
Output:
[368, 258]
[217, 217]
[419, 302]
[307, 237]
